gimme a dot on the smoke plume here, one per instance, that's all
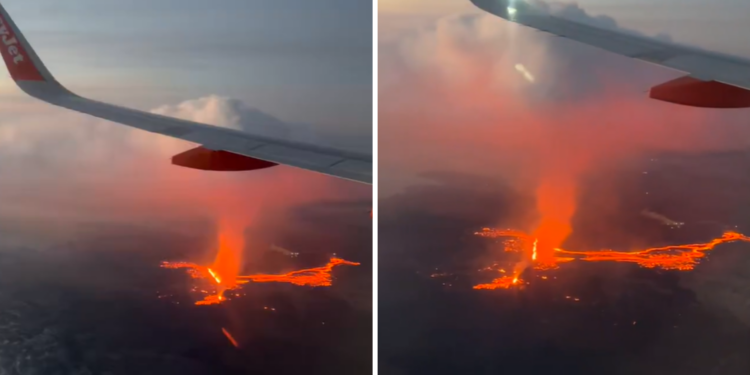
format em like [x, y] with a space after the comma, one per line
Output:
[475, 93]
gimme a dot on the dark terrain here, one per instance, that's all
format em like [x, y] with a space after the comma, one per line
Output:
[90, 306]
[629, 320]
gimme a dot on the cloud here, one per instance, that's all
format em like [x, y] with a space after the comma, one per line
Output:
[574, 12]
[233, 113]
[58, 163]
[224, 111]
[72, 137]
[492, 46]
[236, 114]
[452, 98]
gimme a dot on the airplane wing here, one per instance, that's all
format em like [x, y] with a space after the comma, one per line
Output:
[222, 149]
[714, 80]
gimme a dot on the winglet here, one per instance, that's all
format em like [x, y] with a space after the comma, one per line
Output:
[21, 60]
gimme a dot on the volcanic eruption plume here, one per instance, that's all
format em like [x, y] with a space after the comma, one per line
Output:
[556, 205]
[453, 91]
[224, 272]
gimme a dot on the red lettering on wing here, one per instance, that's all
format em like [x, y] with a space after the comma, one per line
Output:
[19, 63]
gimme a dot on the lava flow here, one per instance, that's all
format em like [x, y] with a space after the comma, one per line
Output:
[673, 257]
[504, 282]
[224, 273]
[230, 338]
[318, 276]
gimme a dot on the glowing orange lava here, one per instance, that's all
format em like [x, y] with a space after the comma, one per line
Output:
[213, 274]
[504, 282]
[556, 205]
[230, 338]
[676, 257]
[228, 262]
[225, 270]
[673, 257]
[318, 276]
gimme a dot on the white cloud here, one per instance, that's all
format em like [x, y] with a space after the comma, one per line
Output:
[212, 109]
[57, 137]
[235, 114]
[55, 160]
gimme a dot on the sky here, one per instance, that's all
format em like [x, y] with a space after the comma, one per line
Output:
[719, 25]
[284, 68]
[450, 52]
[298, 61]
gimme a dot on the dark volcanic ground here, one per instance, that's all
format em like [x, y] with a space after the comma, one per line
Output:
[90, 306]
[628, 320]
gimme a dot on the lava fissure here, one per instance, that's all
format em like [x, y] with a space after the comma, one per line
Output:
[315, 277]
[673, 257]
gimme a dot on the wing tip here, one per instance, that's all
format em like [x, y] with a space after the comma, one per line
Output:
[19, 57]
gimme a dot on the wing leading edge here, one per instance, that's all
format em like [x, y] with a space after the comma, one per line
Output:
[714, 80]
[30, 74]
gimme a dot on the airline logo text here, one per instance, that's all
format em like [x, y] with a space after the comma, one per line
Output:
[10, 42]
